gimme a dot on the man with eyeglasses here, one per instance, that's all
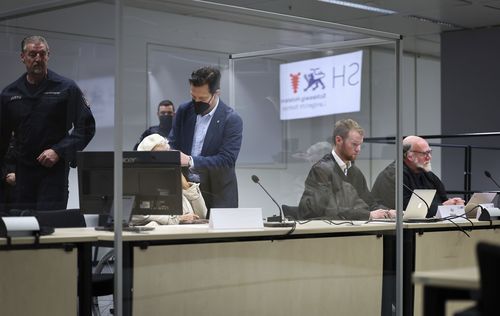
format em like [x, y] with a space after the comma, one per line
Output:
[51, 121]
[417, 174]
[335, 188]
[209, 133]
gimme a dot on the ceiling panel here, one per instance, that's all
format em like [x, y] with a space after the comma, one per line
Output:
[421, 35]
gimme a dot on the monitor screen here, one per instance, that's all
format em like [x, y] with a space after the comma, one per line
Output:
[152, 177]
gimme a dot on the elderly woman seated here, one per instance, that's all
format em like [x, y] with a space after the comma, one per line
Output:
[193, 205]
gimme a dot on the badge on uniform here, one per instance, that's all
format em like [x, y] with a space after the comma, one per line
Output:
[87, 103]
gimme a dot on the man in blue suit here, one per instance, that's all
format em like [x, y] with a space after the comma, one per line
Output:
[208, 133]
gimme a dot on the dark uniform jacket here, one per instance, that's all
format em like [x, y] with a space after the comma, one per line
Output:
[155, 129]
[42, 119]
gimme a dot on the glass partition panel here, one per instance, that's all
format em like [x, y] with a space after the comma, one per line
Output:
[250, 139]
[135, 54]
[52, 117]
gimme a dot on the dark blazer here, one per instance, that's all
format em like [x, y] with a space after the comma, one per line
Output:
[217, 160]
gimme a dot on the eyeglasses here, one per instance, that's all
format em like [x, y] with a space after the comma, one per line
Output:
[33, 54]
[425, 153]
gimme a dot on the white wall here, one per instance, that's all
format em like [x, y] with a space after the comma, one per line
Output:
[283, 178]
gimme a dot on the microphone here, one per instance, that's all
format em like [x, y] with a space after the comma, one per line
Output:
[273, 221]
[421, 198]
[488, 174]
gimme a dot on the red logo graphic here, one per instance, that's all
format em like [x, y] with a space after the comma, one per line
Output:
[295, 81]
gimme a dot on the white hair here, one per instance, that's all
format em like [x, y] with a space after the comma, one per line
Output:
[151, 141]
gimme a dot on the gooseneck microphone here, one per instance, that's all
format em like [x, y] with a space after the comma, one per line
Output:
[274, 221]
[488, 174]
[421, 198]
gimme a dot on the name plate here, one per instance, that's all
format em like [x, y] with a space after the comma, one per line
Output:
[235, 218]
[19, 226]
[446, 211]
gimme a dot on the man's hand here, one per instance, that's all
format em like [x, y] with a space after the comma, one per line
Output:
[10, 178]
[392, 213]
[380, 213]
[184, 159]
[454, 201]
[48, 158]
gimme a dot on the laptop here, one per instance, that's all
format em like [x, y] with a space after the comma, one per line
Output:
[128, 205]
[416, 210]
[476, 199]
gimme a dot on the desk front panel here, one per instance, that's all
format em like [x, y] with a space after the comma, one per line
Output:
[447, 250]
[313, 276]
[38, 282]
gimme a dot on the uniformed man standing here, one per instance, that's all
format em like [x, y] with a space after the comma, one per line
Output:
[41, 108]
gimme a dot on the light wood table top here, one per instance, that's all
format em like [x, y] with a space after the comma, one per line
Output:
[462, 278]
[176, 232]
[60, 235]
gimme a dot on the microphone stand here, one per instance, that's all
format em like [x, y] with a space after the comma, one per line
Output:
[488, 174]
[276, 220]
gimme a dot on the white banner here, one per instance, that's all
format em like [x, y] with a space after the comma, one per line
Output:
[321, 86]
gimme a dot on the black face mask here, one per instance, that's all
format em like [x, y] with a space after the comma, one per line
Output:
[165, 124]
[201, 107]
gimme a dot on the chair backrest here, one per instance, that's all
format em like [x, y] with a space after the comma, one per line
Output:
[61, 218]
[291, 212]
[489, 258]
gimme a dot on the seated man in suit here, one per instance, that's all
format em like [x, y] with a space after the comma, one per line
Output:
[208, 133]
[335, 187]
[417, 174]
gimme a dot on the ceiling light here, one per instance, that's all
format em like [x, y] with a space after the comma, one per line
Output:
[434, 21]
[359, 6]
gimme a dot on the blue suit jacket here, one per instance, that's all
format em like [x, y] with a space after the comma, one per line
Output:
[217, 160]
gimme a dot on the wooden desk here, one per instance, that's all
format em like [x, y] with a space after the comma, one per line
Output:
[435, 246]
[318, 269]
[48, 278]
[442, 285]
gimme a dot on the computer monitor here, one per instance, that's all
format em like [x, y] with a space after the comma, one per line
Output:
[153, 177]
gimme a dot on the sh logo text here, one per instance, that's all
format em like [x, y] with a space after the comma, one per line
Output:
[345, 73]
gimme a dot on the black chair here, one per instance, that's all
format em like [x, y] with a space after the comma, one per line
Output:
[61, 218]
[291, 212]
[102, 283]
[488, 256]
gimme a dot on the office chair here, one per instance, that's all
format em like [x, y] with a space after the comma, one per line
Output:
[488, 256]
[61, 218]
[291, 212]
[102, 283]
